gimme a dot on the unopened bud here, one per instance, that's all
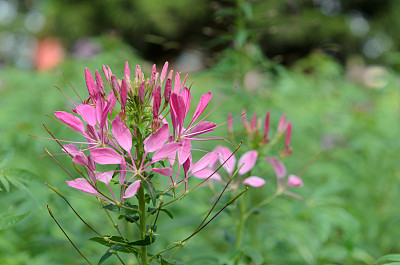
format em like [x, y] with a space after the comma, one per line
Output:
[124, 93]
[167, 90]
[141, 92]
[100, 84]
[138, 71]
[114, 85]
[127, 71]
[164, 72]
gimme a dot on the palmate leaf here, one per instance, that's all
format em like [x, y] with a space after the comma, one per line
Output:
[9, 221]
[107, 243]
[18, 178]
[391, 259]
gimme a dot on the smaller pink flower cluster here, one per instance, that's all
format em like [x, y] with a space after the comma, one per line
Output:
[134, 134]
[245, 164]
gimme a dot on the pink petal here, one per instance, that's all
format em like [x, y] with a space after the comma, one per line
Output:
[88, 113]
[70, 120]
[165, 171]
[106, 156]
[82, 185]
[122, 134]
[71, 149]
[204, 161]
[248, 160]
[165, 151]
[187, 165]
[205, 173]
[105, 177]
[278, 166]
[164, 72]
[202, 105]
[156, 140]
[202, 127]
[254, 181]
[122, 173]
[132, 189]
[81, 159]
[294, 181]
[177, 111]
[224, 154]
[266, 128]
[184, 152]
[185, 94]
[177, 86]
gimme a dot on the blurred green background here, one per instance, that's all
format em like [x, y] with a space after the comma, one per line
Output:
[330, 65]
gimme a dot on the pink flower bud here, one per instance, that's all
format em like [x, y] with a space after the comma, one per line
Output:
[99, 83]
[107, 72]
[138, 71]
[124, 93]
[253, 123]
[167, 90]
[141, 92]
[266, 128]
[153, 75]
[127, 71]
[288, 134]
[90, 84]
[114, 85]
[164, 72]
[294, 181]
[156, 101]
[282, 125]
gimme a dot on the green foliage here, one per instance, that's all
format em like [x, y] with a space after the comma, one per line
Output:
[9, 221]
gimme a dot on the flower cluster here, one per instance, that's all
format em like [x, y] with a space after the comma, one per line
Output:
[130, 127]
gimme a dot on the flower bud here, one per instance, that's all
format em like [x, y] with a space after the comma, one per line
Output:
[164, 72]
[124, 93]
[100, 84]
[107, 73]
[141, 92]
[138, 72]
[167, 90]
[127, 71]
[114, 85]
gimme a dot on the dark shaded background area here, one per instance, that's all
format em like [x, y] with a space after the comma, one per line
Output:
[285, 31]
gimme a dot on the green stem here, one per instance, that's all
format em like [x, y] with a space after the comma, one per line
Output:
[240, 229]
[142, 223]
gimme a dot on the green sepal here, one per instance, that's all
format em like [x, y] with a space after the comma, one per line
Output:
[109, 252]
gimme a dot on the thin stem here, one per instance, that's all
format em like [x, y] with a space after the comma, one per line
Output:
[80, 253]
[142, 223]
[70, 206]
[240, 228]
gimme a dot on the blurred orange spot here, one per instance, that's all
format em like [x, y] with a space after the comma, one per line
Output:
[49, 54]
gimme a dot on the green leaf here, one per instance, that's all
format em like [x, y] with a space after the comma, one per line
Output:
[144, 242]
[132, 209]
[9, 221]
[392, 259]
[151, 190]
[109, 252]
[5, 183]
[253, 254]
[163, 210]
[131, 219]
